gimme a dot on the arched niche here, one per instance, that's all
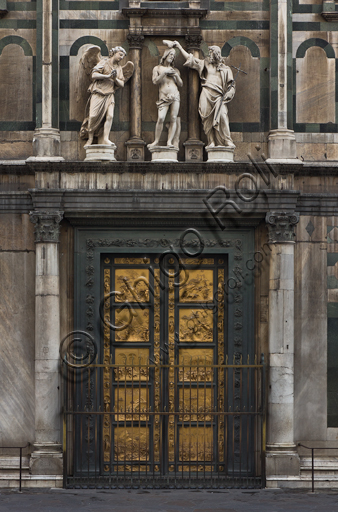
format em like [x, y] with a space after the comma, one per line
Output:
[78, 95]
[245, 107]
[315, 84]
[16, 84]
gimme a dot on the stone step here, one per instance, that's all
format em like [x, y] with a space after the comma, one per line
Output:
[322, 465]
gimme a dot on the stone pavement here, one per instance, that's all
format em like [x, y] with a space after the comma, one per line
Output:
[167, 500]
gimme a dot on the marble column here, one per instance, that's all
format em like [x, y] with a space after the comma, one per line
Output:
[46, 139]
[47, 455]
[281, 140]
[282, 458]
[193, 146]
[135, 145]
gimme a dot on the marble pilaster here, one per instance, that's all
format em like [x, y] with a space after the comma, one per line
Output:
[135, 145]
[47, 457]
[282, 457]
[46, 139]
[281, 140]
[193, 145]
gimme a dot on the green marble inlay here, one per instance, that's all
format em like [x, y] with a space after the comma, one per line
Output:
[332, 310]
[38, 92]
[88, 5]
[239, 6]
[16, 40]
[95, 24]
[315, 42]
[21, 6]
[240, 41]
[15, 126]
[234, 25]
[332, 282]
[153, 50]
[89, 40]
[17, 24]
[308, 26]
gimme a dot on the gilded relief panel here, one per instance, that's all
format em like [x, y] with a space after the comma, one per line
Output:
[198, 287]
[196, 325]
[196, 365]
[131, 444]
[132, 285]
[195, 404]
[195, 444]
[131, 404]
[137, 329]
[132, 364]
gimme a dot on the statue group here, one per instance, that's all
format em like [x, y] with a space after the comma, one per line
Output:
[106, 75]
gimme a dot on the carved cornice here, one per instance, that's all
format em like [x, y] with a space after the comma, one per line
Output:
[135, 41]
[193, 41]
[330, 15]
[46, 225]
[281, 226]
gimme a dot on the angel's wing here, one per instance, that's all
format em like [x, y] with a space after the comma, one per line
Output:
[88, 61]
[128, 70]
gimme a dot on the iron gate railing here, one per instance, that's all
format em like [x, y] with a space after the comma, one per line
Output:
[194, 424]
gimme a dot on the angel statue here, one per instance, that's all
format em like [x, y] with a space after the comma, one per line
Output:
[106, 76]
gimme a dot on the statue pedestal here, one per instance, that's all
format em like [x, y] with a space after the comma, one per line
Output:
[193, 150]
[220, 154]
[163, 154]
[100, 153]
[135, 149]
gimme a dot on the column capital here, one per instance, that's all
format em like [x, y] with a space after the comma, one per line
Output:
[46, 225]
[281, 226]
[135, 41]
[193, 41]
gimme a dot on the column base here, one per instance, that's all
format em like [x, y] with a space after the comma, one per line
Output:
[163, 154]
[135, 149]
[46, 146]
[282, 460]
[282, 144]
[193, 150]
[220, 154]
[100, 153]
[47, 459]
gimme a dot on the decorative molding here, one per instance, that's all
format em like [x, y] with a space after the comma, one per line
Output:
[135, 41]
[46, 225]
[161, 243]
[281, 226]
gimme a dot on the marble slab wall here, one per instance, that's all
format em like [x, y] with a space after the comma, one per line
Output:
[17, 326]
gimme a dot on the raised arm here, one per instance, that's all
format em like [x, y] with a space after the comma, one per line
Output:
[185, 54]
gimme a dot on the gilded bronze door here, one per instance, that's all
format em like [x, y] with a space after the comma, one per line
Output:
[163, 337]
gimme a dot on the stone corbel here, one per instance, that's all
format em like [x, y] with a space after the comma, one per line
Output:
[329, 10]
[46, 225]
[281, 226]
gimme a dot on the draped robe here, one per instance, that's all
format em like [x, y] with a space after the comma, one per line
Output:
[101, 97]
[212, 105]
